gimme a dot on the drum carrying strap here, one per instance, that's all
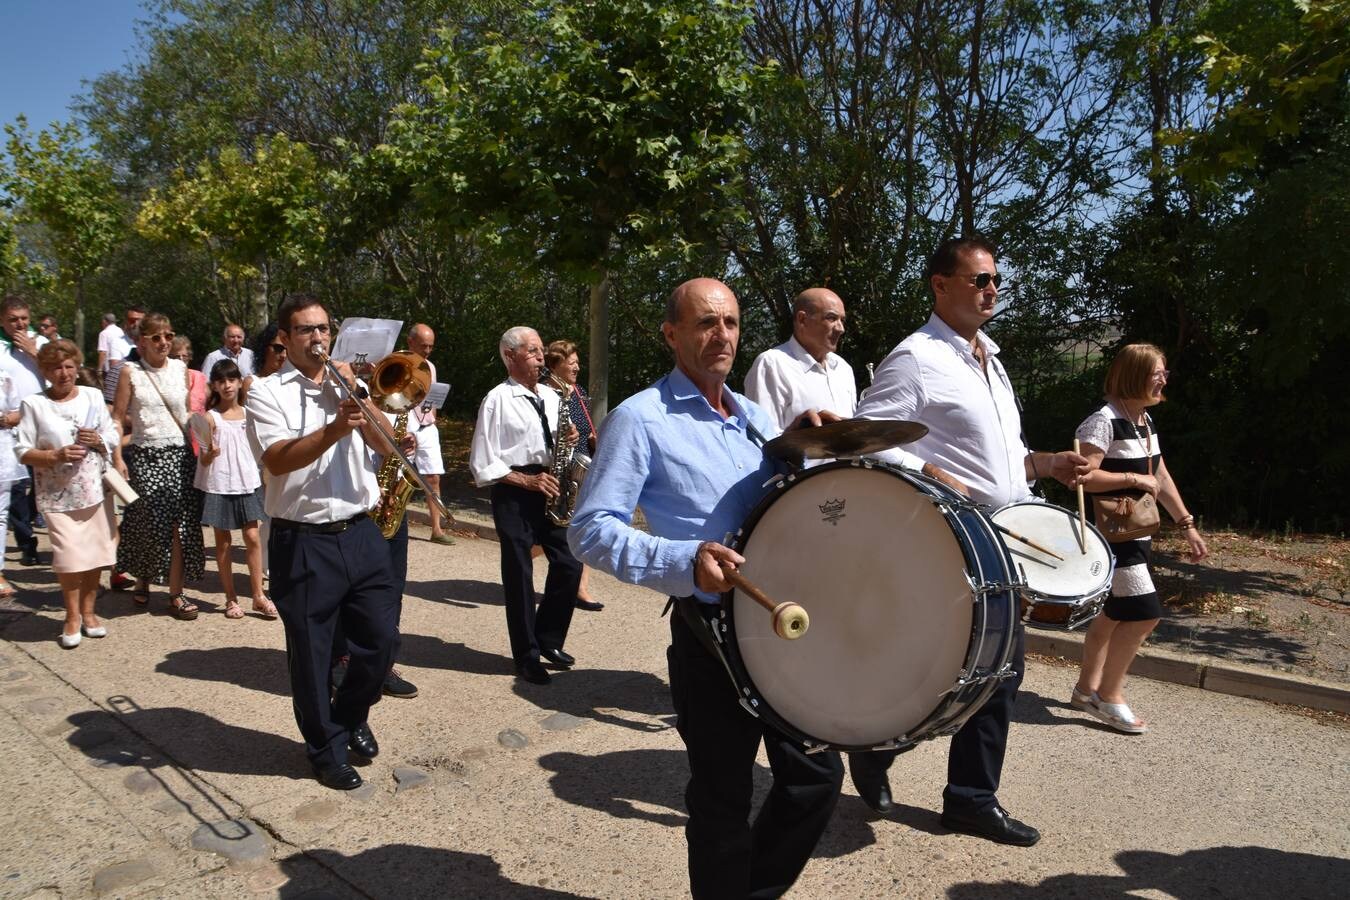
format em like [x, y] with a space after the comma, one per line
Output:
[687, 608]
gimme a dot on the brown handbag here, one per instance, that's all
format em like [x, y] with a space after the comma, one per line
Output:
[1123, 518]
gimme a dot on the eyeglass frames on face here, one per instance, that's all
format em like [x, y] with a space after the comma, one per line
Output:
[161, 337]
[277, 348]
[1163, 375]
[306, 330]
[981, 281]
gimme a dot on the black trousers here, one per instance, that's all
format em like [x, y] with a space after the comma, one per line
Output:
[321, 582]
[521, 523]
[398, 572]
[728, 856]
[22, 512]
[975, 760]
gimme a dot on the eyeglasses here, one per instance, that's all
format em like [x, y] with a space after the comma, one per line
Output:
[161, 336]
[982, 280]
[305, 330]
[277, 348]
[1162, 376]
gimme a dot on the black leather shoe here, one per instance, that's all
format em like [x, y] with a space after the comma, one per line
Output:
[340, 777]
[362, 742]
[993, 824]
[533, 672]
[395, 685]
[873, 786]
[30, 558]
[558, 657]
[590, 605]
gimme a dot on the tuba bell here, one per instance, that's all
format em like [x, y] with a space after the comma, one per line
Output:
[400, 381]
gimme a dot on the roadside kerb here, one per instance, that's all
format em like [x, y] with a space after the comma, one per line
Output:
[1203, 672]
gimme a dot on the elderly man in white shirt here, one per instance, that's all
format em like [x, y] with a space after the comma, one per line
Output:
[806, 372]
[512, 450]
[115, 343]
[231, 348]
[328, 562]
[947, 376]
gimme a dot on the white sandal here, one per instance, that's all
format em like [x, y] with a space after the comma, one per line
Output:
[1118, 715]
[1080, 700]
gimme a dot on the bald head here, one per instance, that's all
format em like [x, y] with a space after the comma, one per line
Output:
[421, 339]
[818, 321]
[702, 327]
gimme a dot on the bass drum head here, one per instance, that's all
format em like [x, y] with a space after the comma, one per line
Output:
[883, 578]
[1075, 578]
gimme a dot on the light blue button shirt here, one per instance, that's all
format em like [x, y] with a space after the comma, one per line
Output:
[696, 476]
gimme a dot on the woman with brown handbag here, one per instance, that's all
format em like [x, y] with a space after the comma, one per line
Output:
[1128, 475]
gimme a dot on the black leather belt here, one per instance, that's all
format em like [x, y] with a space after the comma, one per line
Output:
[533, 469]
[317, 527]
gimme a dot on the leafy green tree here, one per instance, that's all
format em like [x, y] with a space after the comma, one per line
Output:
[59, 182]
[593, 132]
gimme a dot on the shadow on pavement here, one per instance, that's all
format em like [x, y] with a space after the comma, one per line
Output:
[1214, 872]
[462, 592]
[596, 693]
[409, 872]
[425, 651]
[192, 739]
[255, 668]
[623, 784]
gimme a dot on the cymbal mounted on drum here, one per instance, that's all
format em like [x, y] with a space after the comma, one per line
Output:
[837, 440]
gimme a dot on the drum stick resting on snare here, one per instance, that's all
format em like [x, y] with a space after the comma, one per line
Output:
[790, 621]
[1028, 541]
[1082, 516]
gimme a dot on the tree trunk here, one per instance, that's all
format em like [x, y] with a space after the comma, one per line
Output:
[599, 352]
[260, 313]
[79, 314]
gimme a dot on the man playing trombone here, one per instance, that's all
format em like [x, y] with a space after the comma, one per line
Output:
[328, 562]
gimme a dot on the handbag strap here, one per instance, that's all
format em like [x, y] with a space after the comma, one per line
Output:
[150, 378]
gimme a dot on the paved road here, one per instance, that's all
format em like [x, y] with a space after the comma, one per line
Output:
[124, 753]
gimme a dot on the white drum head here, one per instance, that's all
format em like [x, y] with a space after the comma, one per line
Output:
[1079, 575]
[883, 579]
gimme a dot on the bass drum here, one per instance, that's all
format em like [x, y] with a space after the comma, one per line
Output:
[912, 604]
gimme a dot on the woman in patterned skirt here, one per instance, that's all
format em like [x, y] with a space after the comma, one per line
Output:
[1122, 447]
[65, 434]
[161, 532]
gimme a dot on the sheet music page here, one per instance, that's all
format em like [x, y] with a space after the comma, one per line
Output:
[370, 339]
[436, 396]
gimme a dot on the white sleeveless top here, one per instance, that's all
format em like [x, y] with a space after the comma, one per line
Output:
[152, 424]
[234, 470]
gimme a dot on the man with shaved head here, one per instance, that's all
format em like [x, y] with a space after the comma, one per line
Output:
[687, 451]
[806, 372]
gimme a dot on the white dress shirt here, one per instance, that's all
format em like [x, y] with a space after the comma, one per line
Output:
[27, 376]
[113, 344]
[787, 381]
[244, 360]
[508, 432]
[974, 428]
[336, 486]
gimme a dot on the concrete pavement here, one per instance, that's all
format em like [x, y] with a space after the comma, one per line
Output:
[164, 761]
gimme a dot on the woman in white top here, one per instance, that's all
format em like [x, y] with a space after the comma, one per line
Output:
[65, 434]
[11, 473]
[227, 475]
[161, 534]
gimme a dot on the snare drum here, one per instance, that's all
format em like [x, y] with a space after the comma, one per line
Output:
[1061, 593]
[912, 604]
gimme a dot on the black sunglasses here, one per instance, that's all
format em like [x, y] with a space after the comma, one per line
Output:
[277, 348]
[982, 280]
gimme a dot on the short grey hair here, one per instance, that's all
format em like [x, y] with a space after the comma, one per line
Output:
[110, 318]
[513, 338]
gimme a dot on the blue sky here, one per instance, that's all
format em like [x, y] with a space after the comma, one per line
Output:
[51, 46]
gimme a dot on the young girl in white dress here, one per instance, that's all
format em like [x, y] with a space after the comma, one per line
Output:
[227, 475]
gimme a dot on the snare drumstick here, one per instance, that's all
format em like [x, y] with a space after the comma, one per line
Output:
[790, 621]
[1082, 516]
[1028, 541]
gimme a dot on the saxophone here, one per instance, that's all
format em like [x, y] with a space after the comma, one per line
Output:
[396, 488]
[570, 465]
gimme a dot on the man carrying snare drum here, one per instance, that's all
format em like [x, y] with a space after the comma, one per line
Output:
[685, 449]
[947, 376]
